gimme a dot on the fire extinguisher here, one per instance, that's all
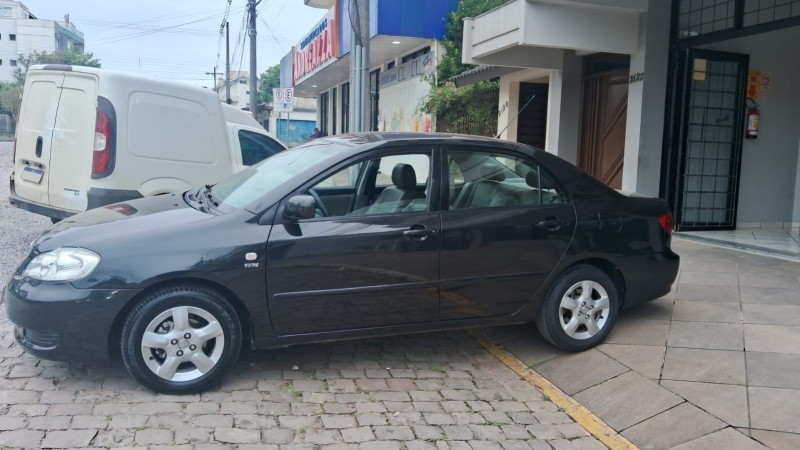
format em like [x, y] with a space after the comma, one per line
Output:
[753, 114]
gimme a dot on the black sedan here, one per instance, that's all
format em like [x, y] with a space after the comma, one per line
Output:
[350, 236]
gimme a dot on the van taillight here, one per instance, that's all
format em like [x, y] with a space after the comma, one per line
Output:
[101, 160]
[665, 220]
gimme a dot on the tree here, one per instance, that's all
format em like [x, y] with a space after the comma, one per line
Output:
[450, 64]
[270, 78]
[73, 56]
[10, 98]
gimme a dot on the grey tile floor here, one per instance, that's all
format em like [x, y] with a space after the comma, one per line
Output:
[778, 241]
[714, 364]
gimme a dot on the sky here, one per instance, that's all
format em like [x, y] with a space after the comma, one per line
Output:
[180, 39]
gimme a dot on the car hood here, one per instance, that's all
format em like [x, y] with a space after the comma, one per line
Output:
[147, 216]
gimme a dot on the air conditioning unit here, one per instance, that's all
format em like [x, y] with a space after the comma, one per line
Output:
[324, 4]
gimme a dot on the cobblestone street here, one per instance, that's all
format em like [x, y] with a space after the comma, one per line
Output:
[429, 391]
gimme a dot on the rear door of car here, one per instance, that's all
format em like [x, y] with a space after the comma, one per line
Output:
[34, 135]
[506, 226]
[72, 147]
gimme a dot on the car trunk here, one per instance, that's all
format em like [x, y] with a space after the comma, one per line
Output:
[55, 138]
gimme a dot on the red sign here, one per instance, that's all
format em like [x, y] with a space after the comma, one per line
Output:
[318, 47]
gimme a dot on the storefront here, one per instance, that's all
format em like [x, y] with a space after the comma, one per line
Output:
[654, 105]
[403, 54]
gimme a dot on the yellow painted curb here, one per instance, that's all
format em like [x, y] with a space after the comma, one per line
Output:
[585, 418]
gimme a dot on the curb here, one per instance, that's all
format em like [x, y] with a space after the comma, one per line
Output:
[582, 416]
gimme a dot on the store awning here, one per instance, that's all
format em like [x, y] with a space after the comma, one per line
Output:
[481, 73]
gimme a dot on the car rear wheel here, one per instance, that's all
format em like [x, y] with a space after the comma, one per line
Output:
[181, 339]
[580, 309]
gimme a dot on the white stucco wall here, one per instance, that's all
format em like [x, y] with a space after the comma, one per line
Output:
[770, 176]
[398, 105]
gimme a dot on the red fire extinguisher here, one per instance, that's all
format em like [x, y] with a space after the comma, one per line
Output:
[751, 129]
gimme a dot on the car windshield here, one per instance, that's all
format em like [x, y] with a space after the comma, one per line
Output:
[250, 184]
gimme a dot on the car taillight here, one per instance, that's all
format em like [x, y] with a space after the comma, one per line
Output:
[101, 159]
[665, 220]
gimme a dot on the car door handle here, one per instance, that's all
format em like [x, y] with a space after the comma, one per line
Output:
[419, 231]
[552, 224]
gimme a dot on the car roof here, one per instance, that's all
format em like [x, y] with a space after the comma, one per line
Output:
[401, 136]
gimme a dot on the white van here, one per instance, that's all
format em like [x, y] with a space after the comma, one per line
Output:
[90, 137]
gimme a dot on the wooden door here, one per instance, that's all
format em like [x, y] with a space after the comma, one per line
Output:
[605, 110]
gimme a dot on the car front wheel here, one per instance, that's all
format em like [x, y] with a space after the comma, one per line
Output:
[181, 339]
[580, 309]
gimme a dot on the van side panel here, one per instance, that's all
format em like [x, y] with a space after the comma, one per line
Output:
[73, 142]
[35, 129]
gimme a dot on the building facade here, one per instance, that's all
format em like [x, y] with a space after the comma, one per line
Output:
[22, 33]
[403, 55]
[690, 100]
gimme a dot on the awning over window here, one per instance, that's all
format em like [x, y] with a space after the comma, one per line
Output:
[481, 73]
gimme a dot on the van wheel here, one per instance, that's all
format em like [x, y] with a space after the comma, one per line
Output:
[181, 340]
[580, 309]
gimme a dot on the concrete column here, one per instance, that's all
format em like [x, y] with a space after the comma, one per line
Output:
[644, 133]
[507, 107]
[564, 109]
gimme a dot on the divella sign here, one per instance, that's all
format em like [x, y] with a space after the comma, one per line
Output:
[320, 46]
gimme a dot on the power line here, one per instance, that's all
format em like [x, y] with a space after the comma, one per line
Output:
[156, 30]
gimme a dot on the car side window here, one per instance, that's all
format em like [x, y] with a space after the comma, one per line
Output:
[256, 147]
[393, 184]
[480, 179]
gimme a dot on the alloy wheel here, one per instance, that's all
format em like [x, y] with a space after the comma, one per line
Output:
[584, 310]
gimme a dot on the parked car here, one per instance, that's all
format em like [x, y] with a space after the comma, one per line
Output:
[90, 137]
[343, 237]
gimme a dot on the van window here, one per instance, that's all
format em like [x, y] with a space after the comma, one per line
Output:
[256, 147]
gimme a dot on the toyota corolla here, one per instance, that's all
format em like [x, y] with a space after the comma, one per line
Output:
[349, 236]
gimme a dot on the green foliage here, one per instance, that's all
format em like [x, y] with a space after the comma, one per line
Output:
[10, 97]
[470, 109]
[73, 57]
[271, 78]
[450, 64]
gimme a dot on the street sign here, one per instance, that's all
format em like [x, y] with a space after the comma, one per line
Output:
[283, 99]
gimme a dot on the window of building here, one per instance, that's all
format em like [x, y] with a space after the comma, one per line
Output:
[12, 37]
[1, 62]
[242, 81]
[13, 63]
[345, 107]
[5, 11]
[761, 11]
[324, 103]
[390, 66]
[374, 97]
[416, 54]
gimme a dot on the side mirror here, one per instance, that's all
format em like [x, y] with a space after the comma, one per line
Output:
[300, 207]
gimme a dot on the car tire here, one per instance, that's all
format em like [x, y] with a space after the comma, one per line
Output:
[573, 321]
[184, 357]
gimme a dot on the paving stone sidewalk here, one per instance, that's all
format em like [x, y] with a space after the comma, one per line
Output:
[429, 391]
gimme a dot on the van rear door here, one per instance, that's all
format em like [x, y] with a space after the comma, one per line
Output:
[73, 142]
[35, 134]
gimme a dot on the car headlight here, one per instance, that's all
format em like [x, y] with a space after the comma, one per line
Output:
[62, 264]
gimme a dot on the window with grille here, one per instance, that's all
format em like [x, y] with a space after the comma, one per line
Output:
[696, 17]
[764, 11]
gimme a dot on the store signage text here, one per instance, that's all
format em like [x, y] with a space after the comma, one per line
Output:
[318, 47]
[417, 66]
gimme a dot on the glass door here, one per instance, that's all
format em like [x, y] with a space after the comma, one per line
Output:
[712, 89]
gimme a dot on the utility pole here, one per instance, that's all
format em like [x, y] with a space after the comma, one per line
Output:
[251, 7]
[214, 74]
[227, 62]
[359, 66]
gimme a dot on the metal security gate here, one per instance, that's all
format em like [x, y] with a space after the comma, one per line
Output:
[710, 127]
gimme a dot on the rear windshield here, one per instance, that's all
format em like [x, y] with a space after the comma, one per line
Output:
[254, 182]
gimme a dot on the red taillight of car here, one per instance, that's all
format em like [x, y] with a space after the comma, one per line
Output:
[101, 160]
[665, 220]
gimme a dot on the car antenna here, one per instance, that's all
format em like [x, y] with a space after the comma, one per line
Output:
[515, 117]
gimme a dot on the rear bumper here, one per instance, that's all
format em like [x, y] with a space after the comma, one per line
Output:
[648, 277]
[96, 197]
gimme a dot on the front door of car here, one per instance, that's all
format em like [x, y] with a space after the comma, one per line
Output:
[506, 227]
[373, 262]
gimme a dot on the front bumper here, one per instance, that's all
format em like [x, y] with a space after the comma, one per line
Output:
[54, 320]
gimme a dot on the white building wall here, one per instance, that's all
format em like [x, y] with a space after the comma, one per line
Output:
[31, 35]
[398, 107]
